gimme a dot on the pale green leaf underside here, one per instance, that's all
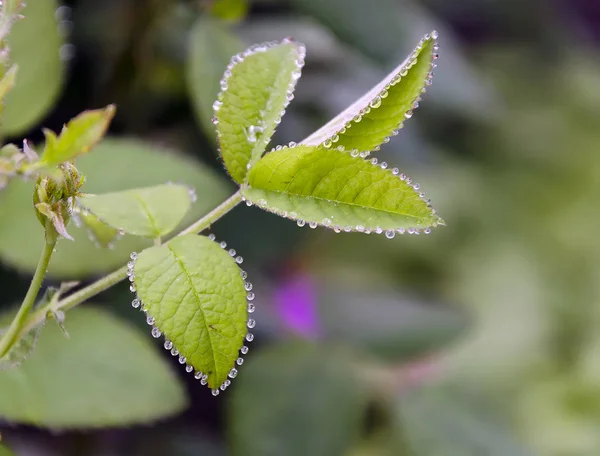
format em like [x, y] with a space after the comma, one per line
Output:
[196, 294]
[149, 212]
[380, 112]
[106, 374]
[98, 231]
[254, 96]
[35, 47]
[211, 46]
[335, 189]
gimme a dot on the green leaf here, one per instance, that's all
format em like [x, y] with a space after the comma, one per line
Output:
[196, 294]
[230, 10]
[8, 81]
[77, 137]
[107, 374]
[391, 327]
[381, 112]
[98, 232]
[210, 47]
[297, 399]
[448, 423]
[35, 45]
[149, 212]
[21, 350]
[257, 87]
[337, 189]
[4, 451]
[116, 164]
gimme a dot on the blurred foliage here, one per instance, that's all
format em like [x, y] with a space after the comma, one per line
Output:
[481, 338]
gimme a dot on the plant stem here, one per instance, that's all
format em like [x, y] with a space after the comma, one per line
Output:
[15, 330]
[120, 274]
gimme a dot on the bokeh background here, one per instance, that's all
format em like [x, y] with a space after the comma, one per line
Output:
[482, 338]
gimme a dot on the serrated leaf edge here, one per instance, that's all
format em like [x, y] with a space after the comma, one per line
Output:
[155, 331]
[260, 146]
[263, 204]
[328, 135]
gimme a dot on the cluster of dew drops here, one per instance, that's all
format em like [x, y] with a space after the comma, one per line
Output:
[168, 345]
[253, 131]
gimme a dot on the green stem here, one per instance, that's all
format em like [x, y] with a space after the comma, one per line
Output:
[120, 274]
[15, 330]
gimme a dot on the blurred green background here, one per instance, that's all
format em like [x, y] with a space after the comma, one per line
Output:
[482, 338]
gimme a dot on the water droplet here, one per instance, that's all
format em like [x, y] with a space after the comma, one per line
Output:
[354, 153]
[133, 256]
[293, 215]
[375, 102]
[250, 296]
[244, 274]
[182, 359]
[233, 373]
[67, 51]
[204, 379]
[401, 230]
[408, 114]
[326, 222]
[427, 231]
[357, 118]
[198, 375]
[262, 202]
[130, 265]
[223, 386]
[348, 229]
[132, 288]
[390, 234]
[249, 337]
[327, 143]
[239, 260]
[135, 303]
[300, 222]
[131, 277]
[150, 320]
[296, 75]
[156, 333]
[168, 345]
[215, 392]
[251, 307]
[337, 229]
[360, 228]
[364, 154]
[244, 350]
[248, 203]
[313, 225]
[251, 323]
[217, 105]
[240, 361]
[384, 93]
[378, 230]
[251, 132]
[212, 237]
[335, 138]
[416, 186]
[374, 161]
[402, 176]
[232, 252]
[223, 244]
[174, 351]
[248, 286]
[383, 165]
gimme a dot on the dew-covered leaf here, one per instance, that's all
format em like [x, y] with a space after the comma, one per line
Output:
[297, 399]
[194, 291]
[115, 164]
[150, 212]
[210, 49]
[107, 374]
[257, 87]
[380, 113]
[337, 189]
[77, 137]
[440, 422]
[35, 47]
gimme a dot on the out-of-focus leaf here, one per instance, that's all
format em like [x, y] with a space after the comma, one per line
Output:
[8, 81]
[116, 164]
[4, 451]
[437, 422]
[337, 189]
[35, 47]
[386, 324]
[194, 290]
[21, 350]
[77, 137]
[381, 112]
[211, 47]
[230, 10]
[98, 232]
[255, 90]
[296, 399]
[391, 26]
[149, 212]
[107, 374]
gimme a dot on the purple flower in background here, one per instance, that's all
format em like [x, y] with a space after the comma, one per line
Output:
[296, 305]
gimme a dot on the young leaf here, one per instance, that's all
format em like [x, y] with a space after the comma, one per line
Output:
[315, 405]
[339, 190]
[98, 231]
[149, 212]
[77, 137]
[107, 374]
[35, 46]
[21, 350]
[194, 293]
[116, 164]
[257, 87]
[380, 113]
[230, 10]
[210, 49]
